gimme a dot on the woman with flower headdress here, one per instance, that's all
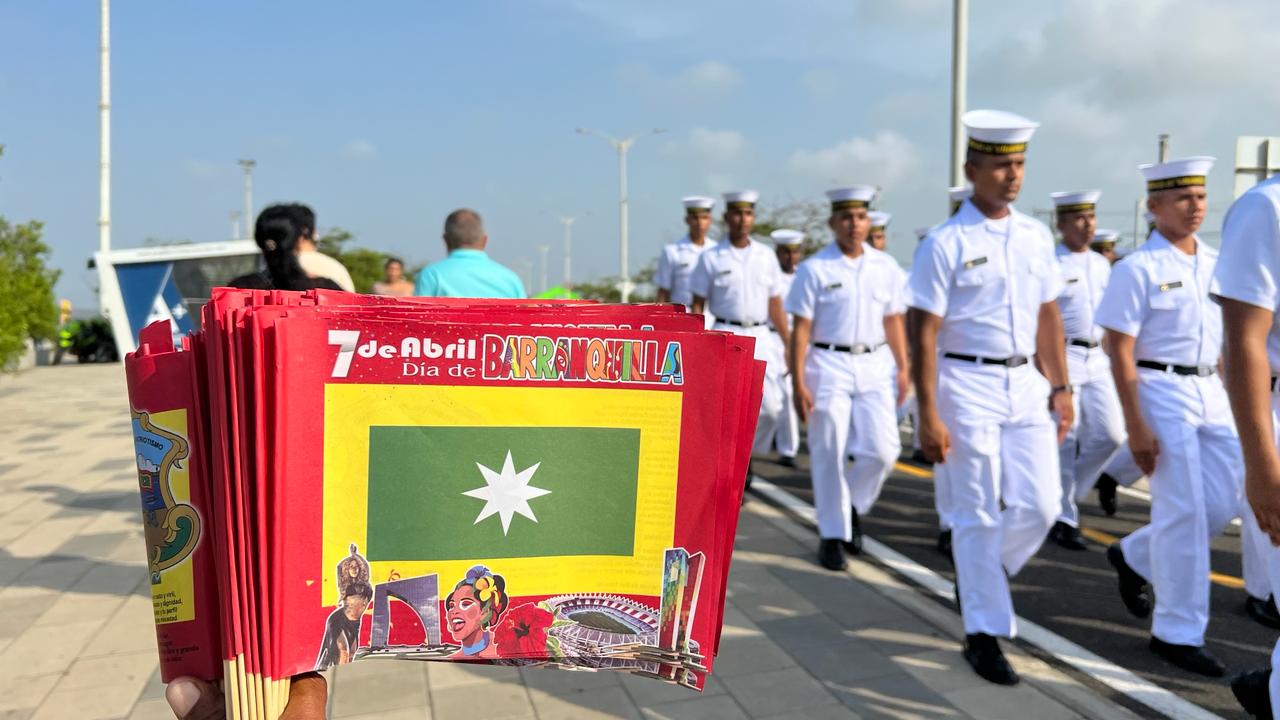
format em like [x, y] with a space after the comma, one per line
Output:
[473, 609]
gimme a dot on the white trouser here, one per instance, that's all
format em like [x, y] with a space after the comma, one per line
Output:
[1122, 468]
[1195, 492]
[787, 437]
[1003, 454]
[768, 348]
[1098, 430]
[847, 386]
[1253, 558]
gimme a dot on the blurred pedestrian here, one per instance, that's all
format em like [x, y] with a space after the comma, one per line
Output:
[279, 232]
[468, 271]
[393, 282]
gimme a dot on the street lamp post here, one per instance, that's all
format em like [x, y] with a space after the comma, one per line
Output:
[622, 146]
[959, 61]
[542, 261]
[568, 249]
[248, 195]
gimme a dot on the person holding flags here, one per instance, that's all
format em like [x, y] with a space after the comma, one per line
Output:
[983, 294]
[847, 306]
[788, 246]
[1099, 427]
[678, 259]
[1164, 337]
[738, 280]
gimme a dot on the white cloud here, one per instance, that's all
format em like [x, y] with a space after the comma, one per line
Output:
[886, 159]
[823, 84]
[707, 80]
[359, 150]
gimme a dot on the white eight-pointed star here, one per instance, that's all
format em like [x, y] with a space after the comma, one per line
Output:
[507, 492]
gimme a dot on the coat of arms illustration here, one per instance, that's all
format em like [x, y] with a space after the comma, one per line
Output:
[170, 528]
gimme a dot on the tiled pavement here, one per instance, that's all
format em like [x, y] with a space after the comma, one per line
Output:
[76, 639]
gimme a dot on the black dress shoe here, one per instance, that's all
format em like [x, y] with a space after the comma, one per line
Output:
[1253, 693]
[944, 543]
[1263, 612]
[787, 461]
[1189, 657]
[1133, 587]
[1106, 487]
[831, 554]
[984, 654]
[854, 544]
[1067, 536]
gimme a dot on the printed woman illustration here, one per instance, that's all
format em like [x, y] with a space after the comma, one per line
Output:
[473, 609]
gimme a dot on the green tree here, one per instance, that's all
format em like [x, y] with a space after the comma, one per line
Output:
[27, 308]
[606, 289]
[365, 265]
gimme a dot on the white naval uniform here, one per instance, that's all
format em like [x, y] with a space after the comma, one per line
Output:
[675, 267]
[941, 490]
[987, 280]
[899, 412]
[1160, 296]
[737, 284]
[847, 301]
[787, 437]
[1098, 430]
[1248, 270]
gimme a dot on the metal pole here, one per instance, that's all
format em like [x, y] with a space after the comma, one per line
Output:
[625, 285]
[568, 250]
[959, 77]
[1162, 143]
[235, 225]
[104, 129]
[248, 196]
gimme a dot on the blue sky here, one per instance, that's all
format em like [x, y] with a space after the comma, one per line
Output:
[385, 116]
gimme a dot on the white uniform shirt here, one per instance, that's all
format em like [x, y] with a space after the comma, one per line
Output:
[1248, 268]
[738, 282]
[847, 299]
[1160, 295]
[787, 280]
[1084, 277]
[675, 266]
[987, 279]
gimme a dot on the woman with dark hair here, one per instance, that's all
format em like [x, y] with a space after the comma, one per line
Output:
[279, 231]
[473, 609]
[395, 283]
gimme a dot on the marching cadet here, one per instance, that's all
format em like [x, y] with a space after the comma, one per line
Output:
[1099, 427]
[1104, 243]
[739, 281]
[1246, 286]
[1164, 334]
[878, 238]
[788, 246]
[983, 295]
[846, 302]
[677, 259]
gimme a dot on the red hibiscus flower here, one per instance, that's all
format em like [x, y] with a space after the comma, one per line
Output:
[523, 632]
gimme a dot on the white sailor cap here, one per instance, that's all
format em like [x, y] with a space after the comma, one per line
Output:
[1077, 201]
[740, 199]
[923, 232]
[879, 219]
[1103, 238]
[787, 238]
[854, 196]
[695, 204]
[996, 132]
[1183, 172]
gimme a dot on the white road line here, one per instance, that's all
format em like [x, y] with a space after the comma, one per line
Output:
[1104, 671]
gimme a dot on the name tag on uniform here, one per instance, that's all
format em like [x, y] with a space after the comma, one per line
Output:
[684, 265]
[970, 264]
[724, 272]
[1072, 280]
[834, 286]
[1166, 287]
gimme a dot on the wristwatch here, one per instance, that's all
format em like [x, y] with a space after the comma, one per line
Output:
[1060, 388]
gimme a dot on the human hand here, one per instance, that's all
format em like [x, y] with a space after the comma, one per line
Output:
[1262, 488]
[1062, 408]
[935, 439]
[193, 699]
[1143, 445]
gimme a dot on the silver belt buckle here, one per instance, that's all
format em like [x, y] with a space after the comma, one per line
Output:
[1204, 370]
[859, 348]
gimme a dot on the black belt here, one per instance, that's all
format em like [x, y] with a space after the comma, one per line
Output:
[1082, 342]
[1013, 362]
[1197, 370]
[855, 349]
[740, 323]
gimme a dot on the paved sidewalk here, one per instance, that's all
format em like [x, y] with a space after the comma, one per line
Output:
[76, 639]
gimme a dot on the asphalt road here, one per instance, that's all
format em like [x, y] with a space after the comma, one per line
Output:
[1073, 593]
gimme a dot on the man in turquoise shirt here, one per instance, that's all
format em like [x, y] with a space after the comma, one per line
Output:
[468, 271]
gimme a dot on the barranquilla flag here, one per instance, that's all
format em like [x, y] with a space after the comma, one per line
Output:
[559, 489]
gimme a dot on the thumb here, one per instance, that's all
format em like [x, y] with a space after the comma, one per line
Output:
[193, 699]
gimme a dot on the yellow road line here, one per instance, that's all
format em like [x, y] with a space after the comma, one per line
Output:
[1218, 578]
[913, 470]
